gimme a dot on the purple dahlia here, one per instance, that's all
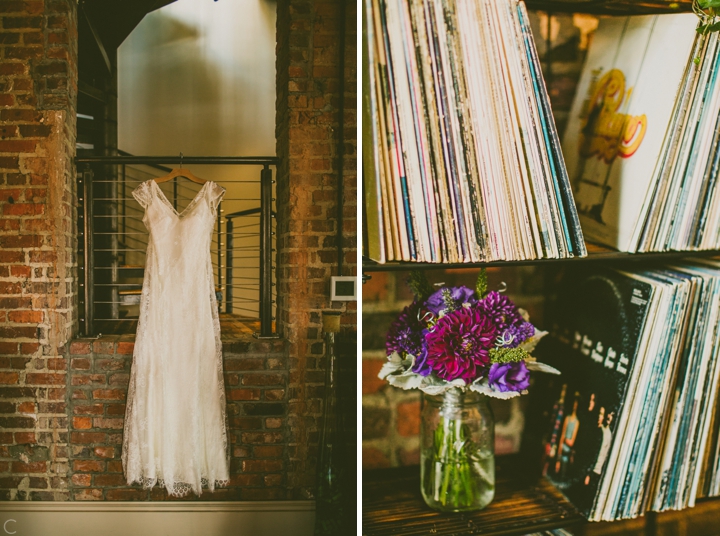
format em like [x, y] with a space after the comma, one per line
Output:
[449, 299]
[501, 310]
[405, 335]
[505, 377]
[458, 345]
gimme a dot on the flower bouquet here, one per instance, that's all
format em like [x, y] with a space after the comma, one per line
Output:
[456, 344]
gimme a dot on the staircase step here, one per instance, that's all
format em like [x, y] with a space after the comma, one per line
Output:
[131, 270]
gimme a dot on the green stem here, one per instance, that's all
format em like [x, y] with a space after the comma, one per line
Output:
[444, 457]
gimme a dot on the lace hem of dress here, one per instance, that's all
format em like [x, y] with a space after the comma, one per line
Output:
[180, 489]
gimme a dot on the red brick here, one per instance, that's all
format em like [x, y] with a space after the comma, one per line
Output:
[22, 22]
[25, 317]
[56, 363]
[115, 409]
[108, 394]
[373, 458]
[103, 347]
[88, 495]
[88, 379]
[110, 480]
[16, 332]
[246, 480]
[12, 256]
[274, 394]
[107, 423]
[114, 467]
[125, 348]
[27, 407]
[9, 378]
[9, 162]
[267, 451]
[8, 348]
[56, 394]
[244, 394]
[409, 457]
[261, 466]
[79, 348]
[87, 437]
[273, 422]
[94, 409]
[31, 467]
[273, 480]
[370, 381]
[408, 418]
[105, 452]
[262, 379]
[80, 364]
[81, 479]
[44, 379]
[82, 423]
[12, 68]
[244, 364]
[24, 437]
[20, 241]
[17, 146]
[88, 466]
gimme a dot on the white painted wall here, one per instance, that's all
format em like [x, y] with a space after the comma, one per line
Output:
[198, 77]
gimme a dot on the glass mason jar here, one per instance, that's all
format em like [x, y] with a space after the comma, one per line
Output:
[457, 451]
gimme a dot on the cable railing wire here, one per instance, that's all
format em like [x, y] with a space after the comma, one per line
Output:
[114, 239]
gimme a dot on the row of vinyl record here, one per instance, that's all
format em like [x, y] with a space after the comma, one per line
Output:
[462, 161]
[643, 140]
[632, 422]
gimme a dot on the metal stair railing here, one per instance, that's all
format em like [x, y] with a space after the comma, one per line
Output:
[113, 240]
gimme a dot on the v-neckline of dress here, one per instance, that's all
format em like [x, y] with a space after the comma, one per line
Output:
[167, 202]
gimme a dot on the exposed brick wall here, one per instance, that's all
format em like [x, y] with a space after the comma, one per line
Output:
[307, 144]
[256, 392]
[38, 43]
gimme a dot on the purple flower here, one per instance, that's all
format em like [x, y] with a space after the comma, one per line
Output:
[449, 299]
[501, 310]
[458, 345]
[405, 335]
[509, 376]
[421, 365]
[517, 334]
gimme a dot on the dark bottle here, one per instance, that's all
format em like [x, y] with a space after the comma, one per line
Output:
[332, 515]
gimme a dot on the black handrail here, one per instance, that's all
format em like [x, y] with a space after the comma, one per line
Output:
[150, 160]
[265, 211]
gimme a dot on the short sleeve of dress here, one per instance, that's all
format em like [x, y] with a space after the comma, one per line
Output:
[142, 194]
[215, 194]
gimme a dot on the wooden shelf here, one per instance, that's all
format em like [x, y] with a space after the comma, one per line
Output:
[596, 253]
[392, 504]
[610, 7]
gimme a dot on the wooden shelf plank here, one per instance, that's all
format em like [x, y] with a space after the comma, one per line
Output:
[392, 504]
[610, 7]
[596, 253]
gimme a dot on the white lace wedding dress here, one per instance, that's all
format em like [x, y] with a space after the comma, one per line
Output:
[175, 419]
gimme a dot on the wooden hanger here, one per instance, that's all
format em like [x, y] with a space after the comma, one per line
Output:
[180, 172]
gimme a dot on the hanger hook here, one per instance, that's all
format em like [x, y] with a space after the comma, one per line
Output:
[181, 157]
